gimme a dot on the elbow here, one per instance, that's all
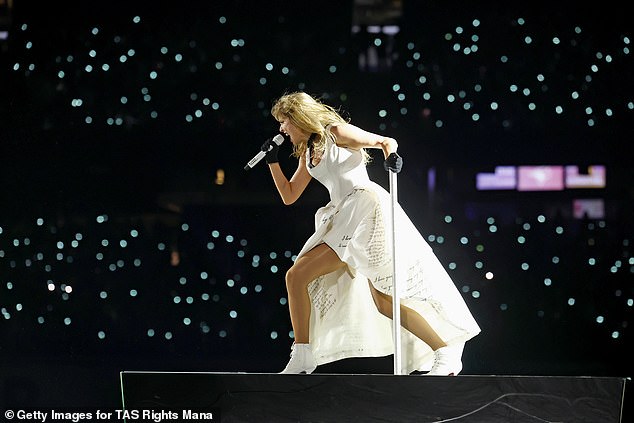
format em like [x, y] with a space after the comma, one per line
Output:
[289, 199]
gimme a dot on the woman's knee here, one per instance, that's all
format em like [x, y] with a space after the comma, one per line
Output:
[319, 261]
[295, 278]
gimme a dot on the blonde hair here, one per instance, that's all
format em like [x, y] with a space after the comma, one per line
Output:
[311, 115]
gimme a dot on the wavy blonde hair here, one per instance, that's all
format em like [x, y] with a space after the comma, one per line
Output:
[311, 115]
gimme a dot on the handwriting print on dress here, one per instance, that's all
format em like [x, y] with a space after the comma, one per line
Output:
[376, 250]
[322, 300]
[344, 241]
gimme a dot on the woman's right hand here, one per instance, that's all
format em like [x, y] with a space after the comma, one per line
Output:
[271, 149]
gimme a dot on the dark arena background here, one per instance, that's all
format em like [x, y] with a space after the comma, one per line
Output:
[132, 239]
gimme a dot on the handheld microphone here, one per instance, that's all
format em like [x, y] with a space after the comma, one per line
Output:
[278, 139]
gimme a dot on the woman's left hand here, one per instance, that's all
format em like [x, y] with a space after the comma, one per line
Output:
[393, 163]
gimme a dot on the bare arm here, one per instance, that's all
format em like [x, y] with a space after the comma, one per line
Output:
[351, 136]
[291, 190]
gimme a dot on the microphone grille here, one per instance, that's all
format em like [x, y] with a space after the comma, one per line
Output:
[278, 139]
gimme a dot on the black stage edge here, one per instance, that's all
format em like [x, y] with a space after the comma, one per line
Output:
[266, 397]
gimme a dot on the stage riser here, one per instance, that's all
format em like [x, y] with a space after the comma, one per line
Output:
[241, 397]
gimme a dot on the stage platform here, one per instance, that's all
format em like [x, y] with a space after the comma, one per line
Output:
[266, 397]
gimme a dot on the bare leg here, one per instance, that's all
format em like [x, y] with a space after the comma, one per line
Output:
[410, 319]
[317, 262]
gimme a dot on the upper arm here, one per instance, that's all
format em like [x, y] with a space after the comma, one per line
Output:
[353, 137]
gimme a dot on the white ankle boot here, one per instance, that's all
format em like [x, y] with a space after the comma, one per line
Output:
[447, 361]
[302, 360]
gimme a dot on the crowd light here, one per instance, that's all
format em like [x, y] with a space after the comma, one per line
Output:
[246, 283]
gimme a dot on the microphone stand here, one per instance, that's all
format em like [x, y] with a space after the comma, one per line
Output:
[396, 295]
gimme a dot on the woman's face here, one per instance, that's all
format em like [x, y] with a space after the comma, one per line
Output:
[296, 134]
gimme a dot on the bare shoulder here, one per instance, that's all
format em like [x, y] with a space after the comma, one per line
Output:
[341, 129]
[353, 137]
[346, 134]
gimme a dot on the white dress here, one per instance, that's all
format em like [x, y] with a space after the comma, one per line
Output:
[355, 223]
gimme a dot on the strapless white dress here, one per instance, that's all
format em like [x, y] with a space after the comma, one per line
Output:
[355, 223]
